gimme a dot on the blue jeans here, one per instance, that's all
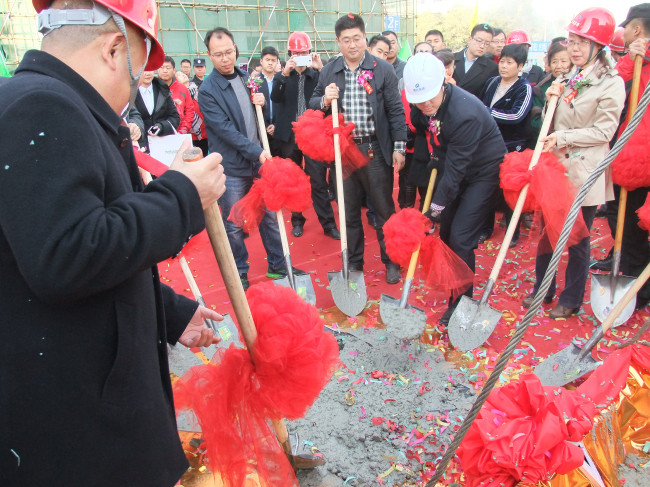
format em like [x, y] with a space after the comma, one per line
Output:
[236, 189]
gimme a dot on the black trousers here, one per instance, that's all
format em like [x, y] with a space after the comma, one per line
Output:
[463, 219]
[376, 181]
[317, 172]
[577, 269]
[407, 192]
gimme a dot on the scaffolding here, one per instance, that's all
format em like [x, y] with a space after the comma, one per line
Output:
[254, 23]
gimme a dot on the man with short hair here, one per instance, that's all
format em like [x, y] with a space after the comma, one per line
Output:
[268, 62]
[180, 95]
[199, 71]
[392, 58]
[155, 104]
[292, 90]
[380, 132]
[186, 67]
[472, 67]
[379, 46]
[86, 397]
[435, 39]
[231, 123]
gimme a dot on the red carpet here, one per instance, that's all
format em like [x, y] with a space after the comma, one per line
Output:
[319, 254]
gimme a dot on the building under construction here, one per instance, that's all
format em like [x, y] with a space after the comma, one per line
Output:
[255, 24]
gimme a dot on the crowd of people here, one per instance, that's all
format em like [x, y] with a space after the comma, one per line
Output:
[80, 280]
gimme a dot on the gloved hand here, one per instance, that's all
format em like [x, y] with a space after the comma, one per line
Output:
[434, 163]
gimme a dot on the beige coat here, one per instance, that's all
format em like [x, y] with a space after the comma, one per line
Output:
[585, 127]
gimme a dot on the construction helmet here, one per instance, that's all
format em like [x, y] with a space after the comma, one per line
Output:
[518, 37]
[617, 44]
[595, 23]
[140, 13]
[424, 75]
[299, 41]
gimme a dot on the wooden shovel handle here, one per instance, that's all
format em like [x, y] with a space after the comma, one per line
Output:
[622, 199]
[516, 213]
[339, 177]
[190, 278]
[425, 207]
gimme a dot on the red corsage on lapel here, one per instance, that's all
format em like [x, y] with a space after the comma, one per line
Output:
[434, 128]
[363, 78]
[254, 83]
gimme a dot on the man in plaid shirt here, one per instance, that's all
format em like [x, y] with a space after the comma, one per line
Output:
[369, 97]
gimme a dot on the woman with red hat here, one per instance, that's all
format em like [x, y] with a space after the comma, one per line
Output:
[590, 102]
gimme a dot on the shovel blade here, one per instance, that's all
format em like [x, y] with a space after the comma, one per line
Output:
[349, 295]
[601, 297]
[564, 367]
[304, 287]
[471, 324]
[404, 323]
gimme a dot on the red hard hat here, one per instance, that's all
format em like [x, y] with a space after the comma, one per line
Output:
[141, 13]
[596, 24]
[617, 44]
[518, 37]
[299, 41]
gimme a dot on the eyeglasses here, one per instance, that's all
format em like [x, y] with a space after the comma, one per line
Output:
[219, 55]
[481, 43]
[352, 40]
[580, 43]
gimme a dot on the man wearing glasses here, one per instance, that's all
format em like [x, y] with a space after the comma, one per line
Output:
[473, 68]
[367, 93]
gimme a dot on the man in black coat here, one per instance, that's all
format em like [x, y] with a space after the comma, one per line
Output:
[366, 89]
[157, 108]
[85, 395]
[472, 67]
[292, 90]
[467, 151]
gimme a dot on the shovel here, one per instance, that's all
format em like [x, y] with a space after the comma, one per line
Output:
[228, 268]
[348, 287]
[404, 320]
[573, 362]
[472, 322]
[300, 283]
[607, 290]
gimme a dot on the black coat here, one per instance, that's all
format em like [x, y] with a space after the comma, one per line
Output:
[285, 94]
[164, 112]
[85, 395]
[266, 109]
[470, 145]
[385, 99]
[473, 80]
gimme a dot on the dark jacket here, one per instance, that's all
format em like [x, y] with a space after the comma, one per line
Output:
[534, 75]
[84, 380]
[224, 123]
[473, 80]
[164, 113]
[266, 109]
[470, 145]
[511, 112]
[285, 94]
[385, 99]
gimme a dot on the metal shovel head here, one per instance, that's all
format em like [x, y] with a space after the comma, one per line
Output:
[404, 323]
[564, 367]
[601, 297]
[471, 324]
[349, 295]
[304, 286]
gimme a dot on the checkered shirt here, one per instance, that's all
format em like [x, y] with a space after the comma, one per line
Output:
[356, 104]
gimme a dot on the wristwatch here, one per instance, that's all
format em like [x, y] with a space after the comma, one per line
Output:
[400, 151]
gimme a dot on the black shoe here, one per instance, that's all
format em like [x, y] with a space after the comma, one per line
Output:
[355, 267]
[297, 231]
[280, 273]
[528, 300]
[444, 319]
[332, 233]
[483, 237]
[244, 281]
[392, 274]
[601, 212]
[513, 242]
[603, 264]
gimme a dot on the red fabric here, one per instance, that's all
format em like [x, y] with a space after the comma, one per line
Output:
[403, 234]
[441, 269]
[644, 214]
[514, 176]
[282, 185]
[314, 135]
[148, 163]
[185, 106]
[293, 359]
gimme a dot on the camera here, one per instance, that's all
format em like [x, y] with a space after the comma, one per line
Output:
[303, 60]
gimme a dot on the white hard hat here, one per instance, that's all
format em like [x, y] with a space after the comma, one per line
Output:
[423, 77]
